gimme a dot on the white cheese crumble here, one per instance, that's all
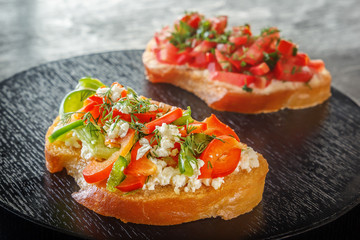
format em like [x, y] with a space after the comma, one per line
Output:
[249, 160]
[172, 176]
[116, 92]
[117, 129]
[216, 182]
[169, 135]
[123, 108]
[102, 91]
[153, 107]
[145, 146]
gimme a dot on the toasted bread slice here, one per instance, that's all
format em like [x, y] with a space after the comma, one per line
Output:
[239, 194]
[227, 97]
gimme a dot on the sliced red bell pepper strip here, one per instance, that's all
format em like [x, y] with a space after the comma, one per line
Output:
[167, 118]
[217, 128]
[131, 183]
[195, 127]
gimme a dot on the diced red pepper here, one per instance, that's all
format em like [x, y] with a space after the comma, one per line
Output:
[131, 183]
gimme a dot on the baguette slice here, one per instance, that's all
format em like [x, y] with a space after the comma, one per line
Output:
[240, 193]
[227, 97]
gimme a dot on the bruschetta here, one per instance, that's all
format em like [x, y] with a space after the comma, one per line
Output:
[235, 70]
[146, 162]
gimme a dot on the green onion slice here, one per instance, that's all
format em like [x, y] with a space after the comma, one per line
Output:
[65, 129]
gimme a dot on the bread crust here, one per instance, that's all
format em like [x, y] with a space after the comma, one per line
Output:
[239, 194]
[225, 97]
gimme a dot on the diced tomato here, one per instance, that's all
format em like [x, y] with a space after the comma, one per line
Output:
[286, 71]
[242, 30]
[192, 20]
[204, 46]
[167, 54]
[167, 118]
[238, 41]
[162, 36]
[221, 157]
[285, 47]
[131, 183]
[214, 66]
[226, 48]
[199, 61]
[301, 59]
[262, 81]
[222, 59]
[316, 65]
[96, 171]
[260, 69]
[217, 128]
[238, 79]
[210, 57]
[183, 57]
[219, 24]
[255, 52]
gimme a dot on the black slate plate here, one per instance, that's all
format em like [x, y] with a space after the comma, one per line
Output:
[313, 156]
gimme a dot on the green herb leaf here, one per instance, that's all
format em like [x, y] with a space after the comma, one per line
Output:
[246, 88]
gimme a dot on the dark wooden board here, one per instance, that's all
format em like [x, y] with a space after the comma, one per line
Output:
[313, 156]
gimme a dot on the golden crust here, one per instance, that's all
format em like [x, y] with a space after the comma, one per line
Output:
[240, 193]
[225, 97]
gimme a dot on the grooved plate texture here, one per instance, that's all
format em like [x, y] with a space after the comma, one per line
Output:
[313, 156]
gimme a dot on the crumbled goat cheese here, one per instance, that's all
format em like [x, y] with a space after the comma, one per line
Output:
[216, 182]
[102, 91]
[116, 92]
[169, 135]
[249, 160]
[117, 129]
[153, 107]
[123, 108]
[145, 146]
